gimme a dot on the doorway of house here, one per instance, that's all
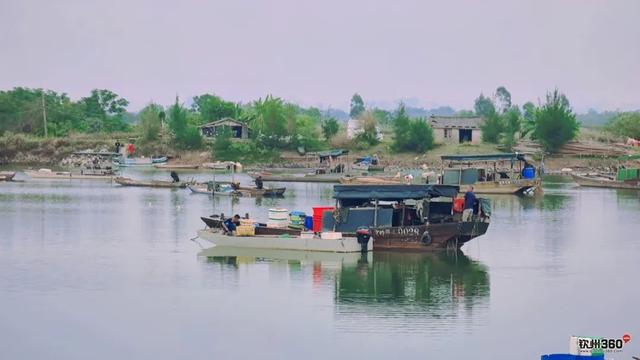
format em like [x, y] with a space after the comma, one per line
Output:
[464, 135]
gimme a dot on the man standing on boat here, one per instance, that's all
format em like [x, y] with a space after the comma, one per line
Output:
[469, 202]
[259, 184]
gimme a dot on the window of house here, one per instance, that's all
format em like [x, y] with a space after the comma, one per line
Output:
[448, 133]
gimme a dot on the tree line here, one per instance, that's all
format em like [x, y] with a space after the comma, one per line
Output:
[280, 125]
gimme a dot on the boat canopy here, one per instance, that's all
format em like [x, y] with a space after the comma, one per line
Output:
[393, 192]
[332, 153]
[484, 157]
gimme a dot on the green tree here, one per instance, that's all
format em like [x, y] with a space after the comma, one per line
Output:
[150, 122]
[625, 124]
[369, 134]
[357, 106]
[484, 107]
[556, 123]
[108, 107]
[383, 117]
[421, 136]
[528, 119]
[185, 136]
[492, 128]
[268, 117]
[330, 127]
[503, 98]
[512, 123]
[212, 108]
[401, 129]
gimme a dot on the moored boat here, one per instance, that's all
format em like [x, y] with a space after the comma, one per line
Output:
[406, 217]
[125, 161]
[176, 167]
[69, 175]
[150, 183]
[7, 175]
[508, 173]
[308, 177]
[219, 190]
[372, 180]
[603, 181]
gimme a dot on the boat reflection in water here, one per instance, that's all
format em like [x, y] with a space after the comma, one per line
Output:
[411, 292]
[378, 291]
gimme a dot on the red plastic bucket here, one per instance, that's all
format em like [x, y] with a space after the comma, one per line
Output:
[317, 216]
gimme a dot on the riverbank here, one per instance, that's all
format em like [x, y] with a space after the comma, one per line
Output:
[16, 149]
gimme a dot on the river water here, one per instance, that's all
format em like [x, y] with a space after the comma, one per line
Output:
[93, 270]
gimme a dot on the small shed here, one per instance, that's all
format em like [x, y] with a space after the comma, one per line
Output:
[239, 130]
[457, 129]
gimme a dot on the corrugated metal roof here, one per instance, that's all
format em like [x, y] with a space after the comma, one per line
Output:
[462, 122]
[223, 121]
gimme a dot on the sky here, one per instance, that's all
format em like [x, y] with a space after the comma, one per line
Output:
[318, 53]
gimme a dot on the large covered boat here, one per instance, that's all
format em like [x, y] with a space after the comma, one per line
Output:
[508, 173]
[406, 217]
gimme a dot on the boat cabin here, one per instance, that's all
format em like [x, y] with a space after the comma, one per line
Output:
[472, 169]
[384, 206]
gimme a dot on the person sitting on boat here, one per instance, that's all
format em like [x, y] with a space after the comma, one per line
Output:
[231, 224]
[469, 202]
[174, 176]
[258, 182]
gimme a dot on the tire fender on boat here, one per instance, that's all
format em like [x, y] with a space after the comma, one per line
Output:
[426, 238]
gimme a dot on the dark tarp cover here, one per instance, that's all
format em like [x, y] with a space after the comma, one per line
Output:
[484, 157]
[393, 192]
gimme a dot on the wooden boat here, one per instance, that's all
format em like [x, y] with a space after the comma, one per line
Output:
[285, 242]
[176, 166]
[311, 177]
[122, 161]
[68, 175]
[7, 175]
[430, 224]
[601, 181]
[223, 165]
[266, 192]
[204, 189]
[150, 183]
[491, 174]
[372, 180]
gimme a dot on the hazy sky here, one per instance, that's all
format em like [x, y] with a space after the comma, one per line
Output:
[321, 52]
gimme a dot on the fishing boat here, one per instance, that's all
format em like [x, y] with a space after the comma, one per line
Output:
[406, 217]
[371, 180]
[176, 167]
[223, 165]
[508, 173]
[7, 175]
[624, 179]
[150, 183]
[219, 189]
[125, 161]
[316, 176]
[89, 174]
[234, 189]
[266, 192]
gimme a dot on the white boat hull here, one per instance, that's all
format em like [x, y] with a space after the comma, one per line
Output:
[286, 255]
[344, 245]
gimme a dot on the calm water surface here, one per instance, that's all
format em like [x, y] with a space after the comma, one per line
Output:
[92, 270]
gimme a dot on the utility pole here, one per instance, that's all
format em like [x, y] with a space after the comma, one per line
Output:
[44, 115]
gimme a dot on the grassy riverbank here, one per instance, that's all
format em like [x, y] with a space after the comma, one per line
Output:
[25, 149]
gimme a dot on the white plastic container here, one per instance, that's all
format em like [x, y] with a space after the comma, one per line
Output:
[306, 235]
[278, 218]
[331, 235]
